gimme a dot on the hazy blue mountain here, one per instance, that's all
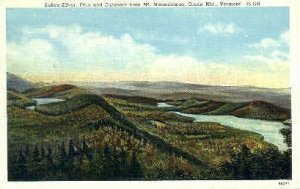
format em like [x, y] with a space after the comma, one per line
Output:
[177, 90]
[17, 83]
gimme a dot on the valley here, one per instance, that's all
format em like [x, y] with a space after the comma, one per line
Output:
[88, 131]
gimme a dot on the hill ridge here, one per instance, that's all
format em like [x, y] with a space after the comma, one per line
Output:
[16, 83]
[90, 99]
[256, 109]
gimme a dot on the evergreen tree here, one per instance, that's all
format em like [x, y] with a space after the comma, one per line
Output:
[26, 152]
[50, 166]
[34, 167]
[36, 154]
[71, 149]
[63, 159]
[245, 162]
[95, 165]
[266, 164]
[85, 168]
[287, 134]
[42, 156]
[86, 150]
[116, 165]
[42, 171]
[21, 168]
[107, 172]
[135, 169]
[123, 163]
[72, 165]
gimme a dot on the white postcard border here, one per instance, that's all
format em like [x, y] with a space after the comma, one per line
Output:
[295, 88]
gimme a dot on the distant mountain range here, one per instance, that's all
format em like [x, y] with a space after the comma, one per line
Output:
[16, 83]
[175, 90]
[171, 90]
[242, 101]
[176, 86]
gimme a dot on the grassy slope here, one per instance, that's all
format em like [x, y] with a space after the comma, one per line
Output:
[226, 108]
[255, 109]
[203, 108]
[200, 143]
[262, 110]
[48, 91]
[135, 99]
[70, 105]
[190, 103]
[85, 100]
[19, 100]
[210, 142]
[27, 128]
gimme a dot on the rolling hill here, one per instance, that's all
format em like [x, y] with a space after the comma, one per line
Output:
[19, 100]
[167, 145]
[62, 91]
[253, 109]
[82, 101]
[17, 83]
[165, 90]
[262, 110]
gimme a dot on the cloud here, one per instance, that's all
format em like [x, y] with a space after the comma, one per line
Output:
[256, 71]
[92, 49]
[274, 59]
[220, 28]
[62, 53]
[273, 52]
[32, 56]
[279, 55]
[285, 37]
[267, 70]
[266, 44]
[271, 43]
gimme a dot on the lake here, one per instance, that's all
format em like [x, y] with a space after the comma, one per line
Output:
[270, 130]
[164, 105]
[40, 101]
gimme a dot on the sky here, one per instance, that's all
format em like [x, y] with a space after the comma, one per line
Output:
[215, 46]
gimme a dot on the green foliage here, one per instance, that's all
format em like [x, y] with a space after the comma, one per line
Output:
[166, 117]
[268, 164]
[253, 109]
[135, 169]
[134, 99]
[287, 133]
[203, 108]
[70, 105]
[112, 165]
[226, 109]
[262, 110]
[191, 103]
[124, 140]
[20, 171]
[49, 91]
[18, 100]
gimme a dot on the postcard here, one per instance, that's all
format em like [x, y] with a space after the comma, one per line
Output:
[154, 94]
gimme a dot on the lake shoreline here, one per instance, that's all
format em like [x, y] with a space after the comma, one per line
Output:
[270, 130]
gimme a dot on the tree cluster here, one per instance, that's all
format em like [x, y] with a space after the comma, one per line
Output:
[75, 161]
[267, 164]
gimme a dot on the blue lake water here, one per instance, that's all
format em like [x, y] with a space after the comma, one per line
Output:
[40, 101]
[270, 130]
[164, 105]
